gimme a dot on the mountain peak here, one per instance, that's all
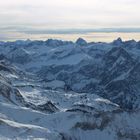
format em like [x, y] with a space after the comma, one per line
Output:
[81, 42]
[118, 41]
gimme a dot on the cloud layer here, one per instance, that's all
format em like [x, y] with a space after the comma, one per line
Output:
[70, 13]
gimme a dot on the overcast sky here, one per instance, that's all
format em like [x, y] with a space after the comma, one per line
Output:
[70, 13]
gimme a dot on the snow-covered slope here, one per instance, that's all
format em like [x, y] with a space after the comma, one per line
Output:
[70, 91]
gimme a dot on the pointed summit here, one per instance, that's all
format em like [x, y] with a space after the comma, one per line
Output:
[119, 39]
[81, 42]
[118, 42]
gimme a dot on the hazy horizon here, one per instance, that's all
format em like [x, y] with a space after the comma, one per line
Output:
[89, 37]
[33, 19]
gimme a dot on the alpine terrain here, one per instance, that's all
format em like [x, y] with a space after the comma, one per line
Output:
[64, 90]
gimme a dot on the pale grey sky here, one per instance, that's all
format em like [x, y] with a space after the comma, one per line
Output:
[70, 13]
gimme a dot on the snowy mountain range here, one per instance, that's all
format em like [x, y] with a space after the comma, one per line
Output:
[64, 90]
